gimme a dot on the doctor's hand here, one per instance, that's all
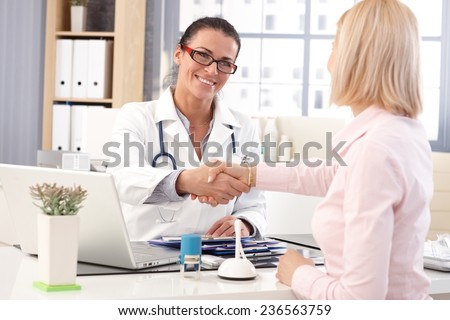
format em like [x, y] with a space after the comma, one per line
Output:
[224, 227]
[288, 263]
[218, 171]
[235, 170]
[222, 190]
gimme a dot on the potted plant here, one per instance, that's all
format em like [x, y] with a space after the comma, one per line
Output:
[58, 233]
[78, 13]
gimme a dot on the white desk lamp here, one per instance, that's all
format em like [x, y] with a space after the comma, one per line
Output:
[237, 268]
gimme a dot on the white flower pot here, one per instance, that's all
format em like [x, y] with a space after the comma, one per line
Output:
[78, 18]
[58, 249]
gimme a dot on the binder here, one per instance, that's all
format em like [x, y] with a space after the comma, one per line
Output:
[63, 68]
[91, 128]
[61, 127]
[79, 133]
[100, 123]
[80, 68]
[99, 69]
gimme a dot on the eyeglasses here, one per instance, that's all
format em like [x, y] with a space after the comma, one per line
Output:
[206, 60]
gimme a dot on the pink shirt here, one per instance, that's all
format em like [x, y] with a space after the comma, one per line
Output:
[371, 224]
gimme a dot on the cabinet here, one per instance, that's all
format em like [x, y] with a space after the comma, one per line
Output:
[128, 56]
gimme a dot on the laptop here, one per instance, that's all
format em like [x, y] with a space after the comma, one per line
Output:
[304, 240]
[304, 243]
[8, 234]
[103, 235]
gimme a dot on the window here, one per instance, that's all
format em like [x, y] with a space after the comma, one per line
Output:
[285, 48]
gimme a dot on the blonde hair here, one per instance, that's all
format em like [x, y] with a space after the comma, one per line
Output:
[377, 58]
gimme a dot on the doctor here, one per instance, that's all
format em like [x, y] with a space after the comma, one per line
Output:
[158, 146]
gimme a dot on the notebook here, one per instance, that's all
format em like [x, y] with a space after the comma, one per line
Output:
[103, 235]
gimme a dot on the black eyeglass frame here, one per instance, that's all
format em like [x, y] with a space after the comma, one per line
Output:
[192, 52]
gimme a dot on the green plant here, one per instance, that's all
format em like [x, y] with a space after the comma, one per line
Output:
[79, 2]
[58, 200]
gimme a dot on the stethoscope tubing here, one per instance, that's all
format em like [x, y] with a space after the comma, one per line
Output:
[163, 153]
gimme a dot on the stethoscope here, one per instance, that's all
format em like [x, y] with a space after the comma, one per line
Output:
[162, 153]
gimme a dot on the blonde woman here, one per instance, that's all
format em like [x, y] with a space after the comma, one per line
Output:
[372, 222]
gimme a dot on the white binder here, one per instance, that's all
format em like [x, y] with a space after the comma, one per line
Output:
[91, 128]
[63, 68]
[61, 127]
[80, 68]
[99, 68]
[99, 127]
[79, 132]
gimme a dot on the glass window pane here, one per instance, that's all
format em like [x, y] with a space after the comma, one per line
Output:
[430, 115]
[243, 97]
[326, 13]
[319, 97]
[191, 10]
[320, 52]
[431, 63]
[248, 61]
[429, 15]
[281, 99]
[284, 16]
[431, 72]
[245, 16]
[282, 61]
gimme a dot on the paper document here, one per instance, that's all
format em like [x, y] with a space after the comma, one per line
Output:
[436, 254]
[225, 246]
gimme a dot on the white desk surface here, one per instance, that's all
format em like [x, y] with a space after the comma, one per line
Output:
[18, 271]
[18, 274]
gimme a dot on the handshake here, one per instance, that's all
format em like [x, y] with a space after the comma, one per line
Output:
[216, 182]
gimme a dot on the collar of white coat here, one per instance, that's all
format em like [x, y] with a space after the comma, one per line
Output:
[165, 110]
[223, 118]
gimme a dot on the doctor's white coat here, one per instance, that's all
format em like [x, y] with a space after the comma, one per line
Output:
[136, 142]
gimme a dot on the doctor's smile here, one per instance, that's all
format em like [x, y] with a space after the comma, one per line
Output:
[210, 83]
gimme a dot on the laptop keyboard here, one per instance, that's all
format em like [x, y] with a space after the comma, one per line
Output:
[141, 257]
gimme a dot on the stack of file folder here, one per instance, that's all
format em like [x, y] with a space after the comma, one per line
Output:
[225, 246]
[436, 253]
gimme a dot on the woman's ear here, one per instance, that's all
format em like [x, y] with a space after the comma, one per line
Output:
[177, 55]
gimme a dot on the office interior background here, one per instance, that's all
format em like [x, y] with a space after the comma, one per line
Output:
[282, 63]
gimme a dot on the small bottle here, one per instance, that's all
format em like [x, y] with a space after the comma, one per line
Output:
[285, 149]
[270, 141]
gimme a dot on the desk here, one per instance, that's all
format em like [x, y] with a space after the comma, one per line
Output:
[18, 274]
[18, 271]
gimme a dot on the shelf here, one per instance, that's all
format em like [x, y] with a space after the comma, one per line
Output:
[128, 56]
[83, 100]
[69, 34]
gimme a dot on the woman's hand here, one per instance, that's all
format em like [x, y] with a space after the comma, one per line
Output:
[223, 189]
[288, 263]
[224, 227]
[234, 169]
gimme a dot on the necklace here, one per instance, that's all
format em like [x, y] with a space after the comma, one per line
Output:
[201, 124]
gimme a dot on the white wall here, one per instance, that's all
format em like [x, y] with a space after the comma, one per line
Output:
[291, 213]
